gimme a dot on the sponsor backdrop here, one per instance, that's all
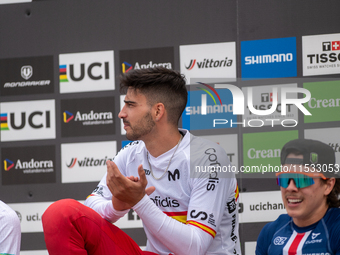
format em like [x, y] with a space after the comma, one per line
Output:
[245, 63]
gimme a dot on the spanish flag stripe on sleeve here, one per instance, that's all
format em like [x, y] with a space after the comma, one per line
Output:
[205, 228]
[176, 213]
[237, 192]
[179, 216]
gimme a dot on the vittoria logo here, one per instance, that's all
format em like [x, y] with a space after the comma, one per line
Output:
[82, 163]
[88, 162]
[212, 62]
[209, 63]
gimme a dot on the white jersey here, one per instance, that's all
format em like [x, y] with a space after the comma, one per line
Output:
[192, 211]
[10, 231]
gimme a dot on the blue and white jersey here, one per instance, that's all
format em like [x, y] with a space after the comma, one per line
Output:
[283, 237]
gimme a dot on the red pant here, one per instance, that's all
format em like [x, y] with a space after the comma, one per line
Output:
[72, 228]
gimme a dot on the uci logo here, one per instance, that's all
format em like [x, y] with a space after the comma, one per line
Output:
[35, 120]
[279, 240]
[95, 71]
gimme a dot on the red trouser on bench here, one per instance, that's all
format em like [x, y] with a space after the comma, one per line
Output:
[73, 228]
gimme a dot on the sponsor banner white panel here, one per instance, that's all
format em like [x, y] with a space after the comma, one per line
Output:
[85, 162]
[321, 54]
[329, 136]
[14, 1]
[249, 248]
[212, 62]
[37, 252]
[263, 99]
[260, 206]
[229, 144]
[129, 220]
[87, 71]
[30, 215]
[28, 120]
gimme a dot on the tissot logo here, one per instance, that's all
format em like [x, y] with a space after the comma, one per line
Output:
[22, 76]
[27, 120]
[88, 71]
[85, 117]
[330, 46]
[270, 58]
[321, 54]
[24, 165]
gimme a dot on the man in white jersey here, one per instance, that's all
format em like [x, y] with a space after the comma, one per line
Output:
[162, 176]
[10, 231]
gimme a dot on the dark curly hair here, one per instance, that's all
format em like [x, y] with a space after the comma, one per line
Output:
[159, 85]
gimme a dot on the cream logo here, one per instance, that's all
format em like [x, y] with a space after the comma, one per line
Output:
[26, 72]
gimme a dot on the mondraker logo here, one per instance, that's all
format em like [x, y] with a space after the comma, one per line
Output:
[209, 63]
[26, 72]
[3, 122]
[68, 116]
[8, 164]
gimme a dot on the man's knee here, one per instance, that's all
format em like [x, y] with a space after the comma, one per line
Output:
[61, 212]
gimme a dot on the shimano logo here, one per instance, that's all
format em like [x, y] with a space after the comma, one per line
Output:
[264, 59]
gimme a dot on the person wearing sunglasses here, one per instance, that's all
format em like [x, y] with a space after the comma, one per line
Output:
[310, 189]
